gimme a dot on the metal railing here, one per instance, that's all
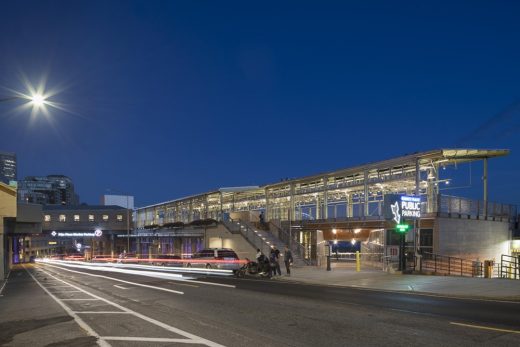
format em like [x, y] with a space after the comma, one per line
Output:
[296, 247]
[251, 235]
[475, 208]
[451, 266]
[509, 267]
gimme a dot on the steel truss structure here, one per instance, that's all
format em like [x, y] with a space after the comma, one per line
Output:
[355, 192]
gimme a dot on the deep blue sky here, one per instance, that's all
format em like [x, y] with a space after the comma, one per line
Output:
[172, 98]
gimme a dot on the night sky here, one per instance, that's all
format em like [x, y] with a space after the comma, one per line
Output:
[172, 98]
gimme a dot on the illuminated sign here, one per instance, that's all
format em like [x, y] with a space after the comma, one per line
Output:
[402, 228]
[53, 242]
[401, 207]
[97, 233]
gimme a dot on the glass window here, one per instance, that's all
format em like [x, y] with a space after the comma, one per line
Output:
[63, 218]
[76, 218]
[105, 217]
[90, 217]
[119, 217]
[47, 218]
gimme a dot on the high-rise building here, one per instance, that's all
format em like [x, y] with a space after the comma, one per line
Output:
[7, 167]
[47, 190]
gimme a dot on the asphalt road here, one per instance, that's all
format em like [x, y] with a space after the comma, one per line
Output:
[132, 310]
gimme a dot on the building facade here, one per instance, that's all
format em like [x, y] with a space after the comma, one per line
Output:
[96, 228]
[47, 190]
[8, 167]
[351, 203]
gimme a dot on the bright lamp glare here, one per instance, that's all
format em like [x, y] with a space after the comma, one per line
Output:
[38, 99]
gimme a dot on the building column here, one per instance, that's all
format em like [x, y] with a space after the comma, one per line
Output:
[318, 214]
[267, 207]
[366, 210]
[325, 199]
[485, 182]
[292, 208]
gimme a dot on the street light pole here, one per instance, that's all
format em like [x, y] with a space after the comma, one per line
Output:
[127, 225]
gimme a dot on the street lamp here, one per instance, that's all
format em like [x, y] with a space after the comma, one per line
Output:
[38, 100]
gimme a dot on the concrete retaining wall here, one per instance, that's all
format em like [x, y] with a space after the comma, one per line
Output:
[220, 237]
[471, 239]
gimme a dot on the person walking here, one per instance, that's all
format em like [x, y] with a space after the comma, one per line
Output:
[287, 259]
[275, 255]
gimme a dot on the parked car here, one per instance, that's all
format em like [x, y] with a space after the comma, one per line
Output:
[215, 258]
[165, 260]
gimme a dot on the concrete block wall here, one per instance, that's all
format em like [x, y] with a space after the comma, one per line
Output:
[471, 238]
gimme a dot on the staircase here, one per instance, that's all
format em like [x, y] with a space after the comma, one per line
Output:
[264, 240]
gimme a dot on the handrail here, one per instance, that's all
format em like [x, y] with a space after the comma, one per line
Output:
[251, 236]
[449, 265]
[295, 246]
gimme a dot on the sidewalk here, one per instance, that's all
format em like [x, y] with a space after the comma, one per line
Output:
[488, 288]
[30, 317]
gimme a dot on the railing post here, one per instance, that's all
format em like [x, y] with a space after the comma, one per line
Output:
[449, 265]
[461, 267]
[435, 262]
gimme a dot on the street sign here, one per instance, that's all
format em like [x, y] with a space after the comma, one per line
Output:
[400, 207]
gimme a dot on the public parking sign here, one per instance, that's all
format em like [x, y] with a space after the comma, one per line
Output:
[400, 207]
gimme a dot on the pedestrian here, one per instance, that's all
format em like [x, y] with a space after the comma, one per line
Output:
[261, 217]
[288, 259]
[258, 255]
[275, 256]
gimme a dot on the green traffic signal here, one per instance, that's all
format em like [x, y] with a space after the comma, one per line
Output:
[402, 228]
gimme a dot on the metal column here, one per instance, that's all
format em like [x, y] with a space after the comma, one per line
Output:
[485, 181]
[365, 197]
[325, 212]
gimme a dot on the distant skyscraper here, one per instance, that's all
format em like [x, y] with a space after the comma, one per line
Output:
[48, 190]
[7, 167]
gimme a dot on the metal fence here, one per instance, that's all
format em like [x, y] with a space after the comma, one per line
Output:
[475, 208]
[451, 266]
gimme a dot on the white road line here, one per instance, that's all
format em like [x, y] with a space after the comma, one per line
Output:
[102, 312]
[486, 328]
[65, 291]
[5, 283]
[118, 280]
[149, 339]
[165, 326]
[183, 284]
[120, 287]
[78, 320]
[162, 275]
[79, 299]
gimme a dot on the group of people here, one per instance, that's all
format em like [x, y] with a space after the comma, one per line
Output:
[270, 265]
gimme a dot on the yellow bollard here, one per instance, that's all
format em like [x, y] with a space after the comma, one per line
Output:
[358, 262]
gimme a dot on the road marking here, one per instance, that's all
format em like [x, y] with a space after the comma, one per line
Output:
[79, 299]
[149, 339]
[120, 287]
[118, 280]
[5, 283]
[413, 312]
[486, 328]
[78, 320]
[184, 284]
[146, 285]
[102, 312]
[66, 291]
[210, 283]
[394, 291]
[165, 326]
